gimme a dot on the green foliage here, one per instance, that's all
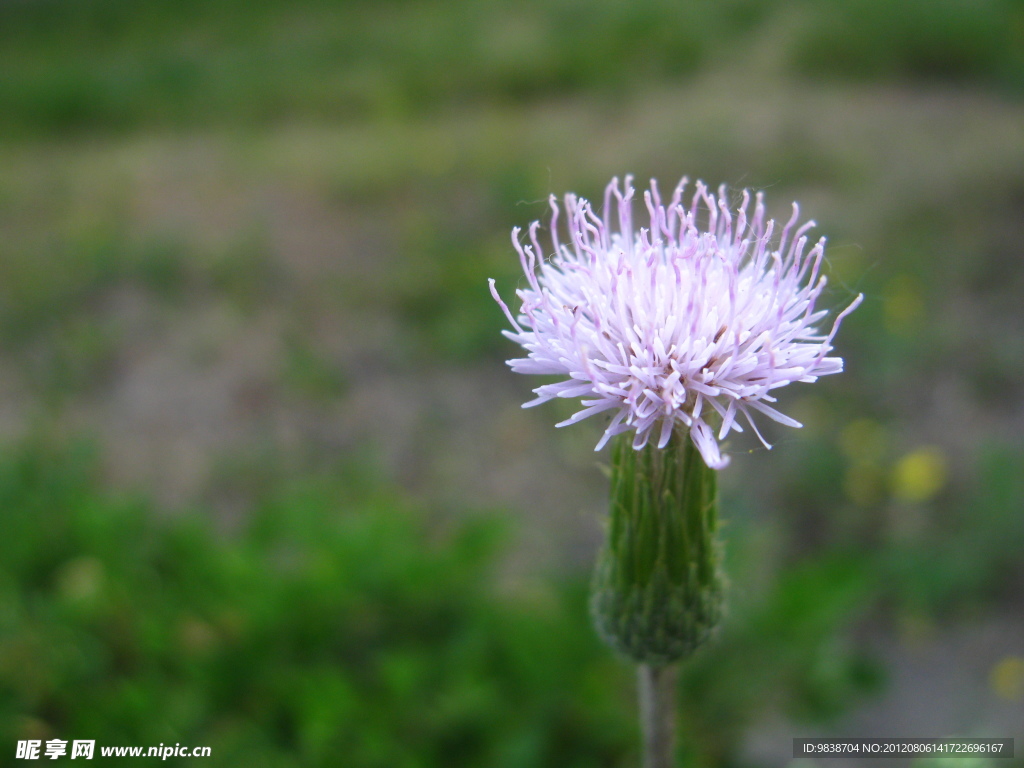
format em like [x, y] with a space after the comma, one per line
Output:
[788, 651]
[338, 624]
[969, 558]
[105, 64]
[915, 39]
[443, 298]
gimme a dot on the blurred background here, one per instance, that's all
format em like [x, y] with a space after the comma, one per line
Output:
[265, 484]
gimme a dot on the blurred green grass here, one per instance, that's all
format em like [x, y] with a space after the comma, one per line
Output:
[104, 65]
[207, 63]
[341, 620]
[257, 237]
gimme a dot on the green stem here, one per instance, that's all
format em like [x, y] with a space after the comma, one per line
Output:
[657, 689]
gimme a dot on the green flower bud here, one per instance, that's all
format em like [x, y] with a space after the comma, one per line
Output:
[658, 587]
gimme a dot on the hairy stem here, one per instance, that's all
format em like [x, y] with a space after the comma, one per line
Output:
[657, 688]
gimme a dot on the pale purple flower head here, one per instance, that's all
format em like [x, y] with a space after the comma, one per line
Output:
[700, 313]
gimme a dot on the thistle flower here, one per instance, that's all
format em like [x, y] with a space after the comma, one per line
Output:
[700, 313]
